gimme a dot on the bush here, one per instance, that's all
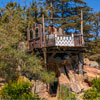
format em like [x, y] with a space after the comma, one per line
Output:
[96, 84]
[90, 94]
[66, 94]
[94, 93]
[18, 91]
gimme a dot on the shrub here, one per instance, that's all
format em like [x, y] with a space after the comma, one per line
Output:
[18, 91]
[90, 94]
[66, 94]
[96, 84]
[94, 93]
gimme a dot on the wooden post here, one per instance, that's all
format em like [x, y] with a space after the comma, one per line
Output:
[44, 51]
[44, 30]
[82, 41]
[52, 12]
[28, 33]
[80, 59]
[33, 29]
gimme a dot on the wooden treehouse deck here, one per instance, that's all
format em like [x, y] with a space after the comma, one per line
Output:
[58, 43]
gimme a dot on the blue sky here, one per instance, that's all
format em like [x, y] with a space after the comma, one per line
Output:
[95, 4]
[22, 2]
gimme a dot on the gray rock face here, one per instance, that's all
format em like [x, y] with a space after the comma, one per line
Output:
[39, 88]
[92, 64]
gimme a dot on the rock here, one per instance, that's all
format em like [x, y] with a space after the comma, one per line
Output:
[76, 82]
[2, 83]
[89, 63]
[94, 64]
[40, 88]
[72, 80]
[2, 80]
[91, 72]
[86, 61]
[63, 80]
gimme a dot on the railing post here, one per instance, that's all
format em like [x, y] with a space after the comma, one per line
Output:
[82, 40]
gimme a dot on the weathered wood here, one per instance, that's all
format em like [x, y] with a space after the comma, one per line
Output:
[33, 31]
[28, 33]
[44, 50]
[54, 18]
[82, 40]
[80, 63]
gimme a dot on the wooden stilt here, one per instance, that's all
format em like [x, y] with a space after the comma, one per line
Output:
[28, 33]
[80, 63]
[44, 49]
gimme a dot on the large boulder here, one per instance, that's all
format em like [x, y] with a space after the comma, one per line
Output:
[39, 88]
[86, 61]
[89, 74]
[92, 64]
[63, 80]
[71, 79]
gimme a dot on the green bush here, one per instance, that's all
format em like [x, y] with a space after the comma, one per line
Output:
[96, 84]
[94, 93]
[90, 94]
[18, 91]
[66, 94]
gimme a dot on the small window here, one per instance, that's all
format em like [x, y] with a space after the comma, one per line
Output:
[37, 32]
[31, 35]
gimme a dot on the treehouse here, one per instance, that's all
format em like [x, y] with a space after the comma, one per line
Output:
[58, 49]
[59, 41]
[55, 44]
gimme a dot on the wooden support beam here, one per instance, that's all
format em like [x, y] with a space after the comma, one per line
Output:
[54, 18]
[44, 38]
[28, 33]
[82, 40]
[80, 57]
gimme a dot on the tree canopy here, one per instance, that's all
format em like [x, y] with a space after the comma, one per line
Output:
[14, 20]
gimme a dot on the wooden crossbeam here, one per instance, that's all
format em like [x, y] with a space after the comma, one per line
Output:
[54, 18]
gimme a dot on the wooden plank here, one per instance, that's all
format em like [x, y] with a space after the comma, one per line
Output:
[53, 18]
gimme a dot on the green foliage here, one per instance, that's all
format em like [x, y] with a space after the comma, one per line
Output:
[13, 24]
[70, 9]
[94, 93]
[66, 94]
[94, 50]
[32, 68]
[91, 94]
[96, 83]
[18, 91]
[94, 43]
[11, 35]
